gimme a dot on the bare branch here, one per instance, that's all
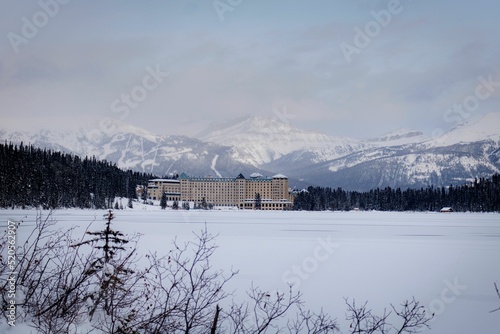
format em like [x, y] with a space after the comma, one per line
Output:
[311, 323]
[498, 294]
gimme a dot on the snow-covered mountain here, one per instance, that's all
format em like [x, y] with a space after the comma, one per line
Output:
[137, 149]
[338, 148]
[398, 137]
[484, 129]
[259, 141]
[411, 160]
[402, 158]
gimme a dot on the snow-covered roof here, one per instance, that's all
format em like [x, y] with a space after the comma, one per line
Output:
[165, 180]
[279, 176]
[255, 175]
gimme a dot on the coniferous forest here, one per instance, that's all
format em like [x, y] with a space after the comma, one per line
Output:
[32, 177]
[483, 195]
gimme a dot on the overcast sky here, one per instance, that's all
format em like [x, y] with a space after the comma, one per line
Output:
[345, 67]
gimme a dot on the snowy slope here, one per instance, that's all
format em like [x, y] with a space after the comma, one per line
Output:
[397, 256]
[137, 149]
[469, 151]
[486, 128]
[398, 137]
[341, 148]
[258, 141]
[390, 167]
[403, 157]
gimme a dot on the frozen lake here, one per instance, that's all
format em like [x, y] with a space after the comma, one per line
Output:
[448, 262]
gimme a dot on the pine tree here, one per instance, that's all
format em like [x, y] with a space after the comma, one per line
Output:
[258, 201]
[34, 177]
[163, 201]
[110, 274]
[144, 195]
[175, 205]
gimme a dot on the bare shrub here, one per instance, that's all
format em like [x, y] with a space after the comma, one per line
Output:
[103, 281]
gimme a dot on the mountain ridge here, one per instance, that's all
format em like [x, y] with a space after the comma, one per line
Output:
[400, 158]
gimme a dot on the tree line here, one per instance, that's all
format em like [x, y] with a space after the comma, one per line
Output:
[482, 195]
[34, 177]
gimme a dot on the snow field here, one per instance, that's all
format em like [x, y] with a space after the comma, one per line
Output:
[448, 262]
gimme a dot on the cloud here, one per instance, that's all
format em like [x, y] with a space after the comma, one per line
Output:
[262, 57]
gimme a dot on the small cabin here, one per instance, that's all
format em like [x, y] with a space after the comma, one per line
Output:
[446, 209]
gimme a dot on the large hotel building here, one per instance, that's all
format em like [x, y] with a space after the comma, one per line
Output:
[225, 191]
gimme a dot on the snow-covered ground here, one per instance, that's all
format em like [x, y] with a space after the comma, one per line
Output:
[448, 262]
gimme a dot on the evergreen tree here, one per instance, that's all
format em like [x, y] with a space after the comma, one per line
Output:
[33, 177]
[36, 178]
[109, 273]
[482, 195]
[163, 201]
[258, 201]
[175, 205]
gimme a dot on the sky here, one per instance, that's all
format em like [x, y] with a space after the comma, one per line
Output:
[356, 68]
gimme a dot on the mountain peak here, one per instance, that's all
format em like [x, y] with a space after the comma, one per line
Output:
[244, 125]
[403, 157]
[109, 127]
[480, 129]
[260, 140]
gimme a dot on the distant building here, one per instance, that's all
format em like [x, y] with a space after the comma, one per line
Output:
[170, 187]
[446, 209]
[226, 191]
